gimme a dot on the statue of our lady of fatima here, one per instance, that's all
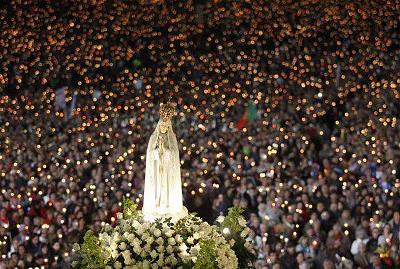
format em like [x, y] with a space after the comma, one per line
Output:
[163, 186]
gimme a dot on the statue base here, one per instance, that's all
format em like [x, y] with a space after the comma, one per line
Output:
[174, 217]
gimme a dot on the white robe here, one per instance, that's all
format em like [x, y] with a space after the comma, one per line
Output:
[163, 186]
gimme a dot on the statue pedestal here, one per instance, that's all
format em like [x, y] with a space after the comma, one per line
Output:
[152, 216]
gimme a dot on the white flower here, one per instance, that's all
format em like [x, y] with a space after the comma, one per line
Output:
[242, 222]
[171, 241]
[168, 233]
[149, 240]
[182, 247]
[160, 262]
[135, 224]
[174, 261]
[226, 230]
[107, 227]
[143, 253]
[146, 236]
[76, 247]
[122, 246]
[127, 257]
[220, 219]
[117, 265]
[137, 249]
[130, 237]
[196, 236]
[153, 254]
[147, 247]
[160, 241]
[157, 233]
[245, 232]
[114, 254]
[190, 240]
[160, 249]
[169, 249]
[178, 238]
[108, 267]
[136, 242]
[195, 250]
[146, 264]
[113, 245]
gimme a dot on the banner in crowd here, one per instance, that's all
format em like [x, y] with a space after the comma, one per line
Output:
[249, 115]
[59, 102]
[73, 104]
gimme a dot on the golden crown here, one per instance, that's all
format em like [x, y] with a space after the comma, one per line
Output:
[167, 111]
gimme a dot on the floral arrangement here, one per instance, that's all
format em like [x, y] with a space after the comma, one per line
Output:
[188, 243]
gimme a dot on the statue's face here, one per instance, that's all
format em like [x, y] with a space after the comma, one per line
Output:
[163, 127]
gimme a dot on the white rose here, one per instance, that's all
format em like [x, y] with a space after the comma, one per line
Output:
[107, 227]
[160, 249]
[178, 238]
[130, 237]
[182, 247]
[136, 241]
[160, 241]
[150, 240]
[76, 247]
[171, 241]
[113, 245]
[195, 250]
[160, 262]
[168, 233]
[117, 265]
[174, 261]
[135, 224]
[170, 249]
[196, 236]
[157, 233]
[122, 246]
[137, 249]
[114, 254]
[245, 232]
[220, 219]
[147, 247]
[146, 236]
[146, 264]
[153, 254]
[190, 240]
[242, 222]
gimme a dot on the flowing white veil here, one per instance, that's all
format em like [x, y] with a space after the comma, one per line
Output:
[163, 187]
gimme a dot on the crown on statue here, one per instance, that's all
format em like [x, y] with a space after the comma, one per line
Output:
[167, 111]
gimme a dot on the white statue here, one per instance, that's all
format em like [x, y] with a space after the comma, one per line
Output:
[163, 186]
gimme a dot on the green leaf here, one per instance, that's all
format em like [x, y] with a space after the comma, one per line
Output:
[129, 208]
[91, 252]
[231, 221]
[206, 258]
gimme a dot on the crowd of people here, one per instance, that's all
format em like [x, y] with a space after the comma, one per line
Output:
[287, 109]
